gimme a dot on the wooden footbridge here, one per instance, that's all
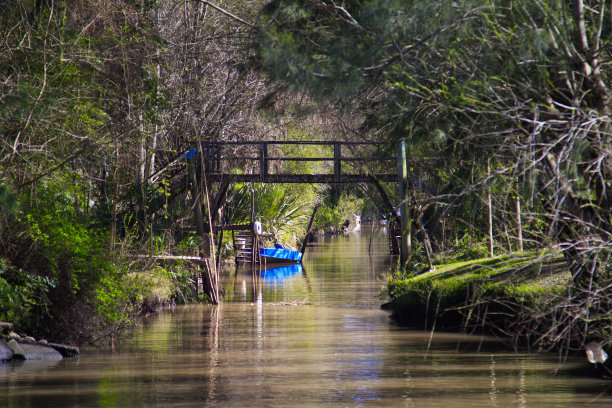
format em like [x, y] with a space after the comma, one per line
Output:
[224, 163]
[269, 162]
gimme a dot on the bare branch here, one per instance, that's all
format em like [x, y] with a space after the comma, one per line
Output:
[227, 13]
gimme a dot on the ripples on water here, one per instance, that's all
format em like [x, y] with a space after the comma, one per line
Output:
[311, 338]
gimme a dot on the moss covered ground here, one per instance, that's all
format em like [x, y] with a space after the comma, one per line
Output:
[479, 294]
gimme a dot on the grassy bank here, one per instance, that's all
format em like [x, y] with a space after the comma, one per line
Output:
[526, 298]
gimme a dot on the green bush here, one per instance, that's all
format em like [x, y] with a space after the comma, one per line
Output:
[21, 294]
[335, 212]
[59, 275]
[75, 255]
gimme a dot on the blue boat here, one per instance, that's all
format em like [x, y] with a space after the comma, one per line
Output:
[279, 255]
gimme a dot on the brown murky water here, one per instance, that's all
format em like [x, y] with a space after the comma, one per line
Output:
[301, 338]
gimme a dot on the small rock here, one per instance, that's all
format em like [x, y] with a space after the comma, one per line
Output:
[29, 339]
[6, 353]
[13, 335]
[15, 347]
[43, 341]
[65, 350]
[595, 353]
[28, 351]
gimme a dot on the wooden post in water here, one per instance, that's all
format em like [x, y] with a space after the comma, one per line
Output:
[390, 217]
[406, 244]
[198, 219]
[201, 201]
[309, 229]
[253, 235]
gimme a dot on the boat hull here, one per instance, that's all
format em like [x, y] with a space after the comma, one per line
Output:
[280, 256]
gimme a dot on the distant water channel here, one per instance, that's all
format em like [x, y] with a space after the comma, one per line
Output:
[307, 338]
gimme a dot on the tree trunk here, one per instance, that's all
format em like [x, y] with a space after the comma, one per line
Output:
[519, 226]
[490, 209]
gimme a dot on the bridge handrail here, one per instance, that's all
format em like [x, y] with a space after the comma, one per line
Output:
[213, 156]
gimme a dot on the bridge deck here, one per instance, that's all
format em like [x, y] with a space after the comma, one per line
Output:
[271, 162]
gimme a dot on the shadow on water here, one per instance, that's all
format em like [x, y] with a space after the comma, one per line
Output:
[301, 338]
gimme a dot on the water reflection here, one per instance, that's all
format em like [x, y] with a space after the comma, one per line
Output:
[492, 390]
[279, 274]
[257, 284]
[301, 339]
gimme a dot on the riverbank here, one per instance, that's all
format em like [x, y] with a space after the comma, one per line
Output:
[526, 298]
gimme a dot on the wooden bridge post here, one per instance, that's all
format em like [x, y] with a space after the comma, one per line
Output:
[263, 161]
[337, 161]
[406, 244]
[204, 247]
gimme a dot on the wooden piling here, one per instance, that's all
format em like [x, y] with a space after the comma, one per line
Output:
[405, 221]
[309, 229]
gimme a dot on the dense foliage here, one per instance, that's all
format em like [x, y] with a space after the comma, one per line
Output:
[99, 101]
[505, 109]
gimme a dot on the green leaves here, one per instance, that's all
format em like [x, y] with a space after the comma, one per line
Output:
[75, 253]
[22, 293]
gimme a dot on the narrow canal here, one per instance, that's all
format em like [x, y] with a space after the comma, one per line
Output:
[300, 338]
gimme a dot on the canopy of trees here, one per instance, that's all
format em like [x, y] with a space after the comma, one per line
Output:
[98, 102]
[504, 107]
[499, 100]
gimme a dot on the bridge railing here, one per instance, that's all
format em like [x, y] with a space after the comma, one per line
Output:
[265, 162]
